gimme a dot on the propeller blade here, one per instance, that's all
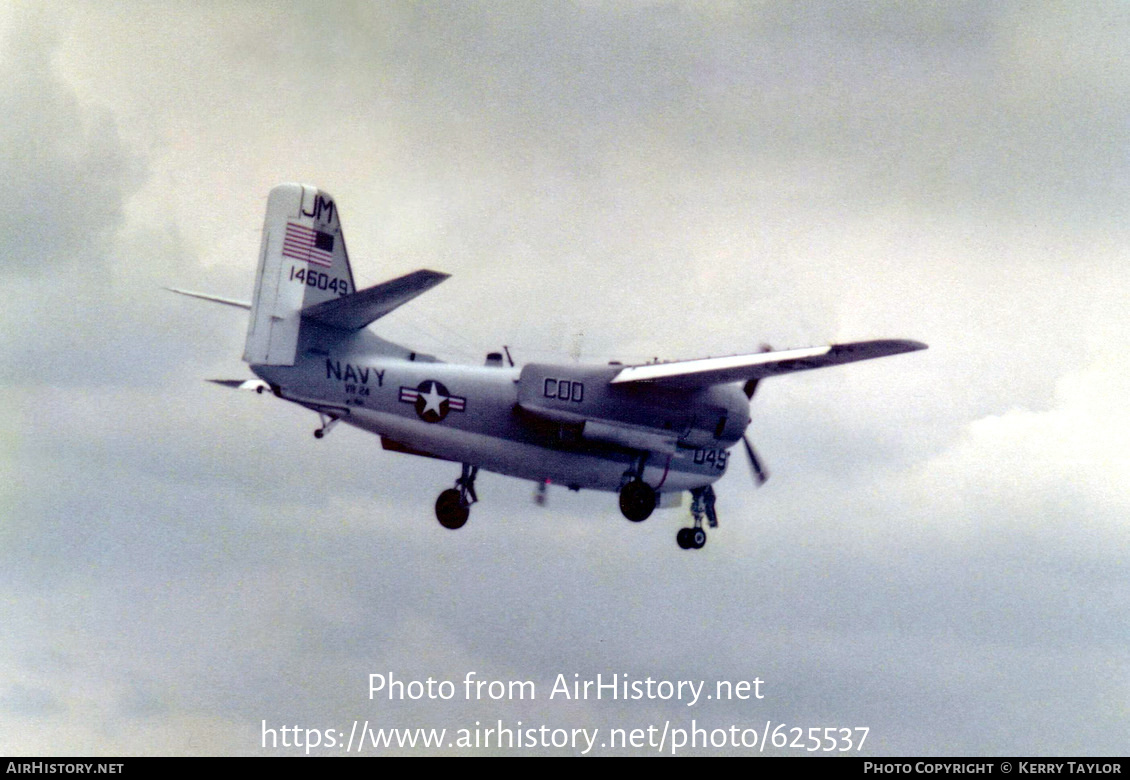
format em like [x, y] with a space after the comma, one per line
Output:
[759, 473]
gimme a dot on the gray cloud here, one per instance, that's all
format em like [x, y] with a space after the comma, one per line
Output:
[938, 552]
[65, 167]
[21, 701]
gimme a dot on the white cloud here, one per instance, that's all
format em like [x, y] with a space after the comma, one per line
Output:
[1058, 474]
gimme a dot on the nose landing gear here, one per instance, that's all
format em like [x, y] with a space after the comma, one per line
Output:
[702, 505]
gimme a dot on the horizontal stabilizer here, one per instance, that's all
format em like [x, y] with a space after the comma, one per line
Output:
[355, 311]
[212, 298]
[689, 374]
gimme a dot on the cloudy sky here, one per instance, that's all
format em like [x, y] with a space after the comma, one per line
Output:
[941, 552]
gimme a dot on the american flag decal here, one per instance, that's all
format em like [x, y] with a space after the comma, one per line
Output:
[309, 245]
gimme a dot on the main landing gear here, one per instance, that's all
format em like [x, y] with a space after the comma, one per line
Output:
[453, 506]
[637, 498]
[702, 505]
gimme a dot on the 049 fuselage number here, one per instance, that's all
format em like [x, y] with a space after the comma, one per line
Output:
[319, 280]
[715, 458]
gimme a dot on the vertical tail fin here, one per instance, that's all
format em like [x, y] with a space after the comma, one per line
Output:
[302, 262]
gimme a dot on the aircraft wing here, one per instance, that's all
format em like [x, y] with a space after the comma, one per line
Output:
[689, 374]
[355, 311]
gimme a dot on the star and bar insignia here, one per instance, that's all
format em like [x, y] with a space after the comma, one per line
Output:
[432, 400]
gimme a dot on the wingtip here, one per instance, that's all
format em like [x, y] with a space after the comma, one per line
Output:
[880, 347]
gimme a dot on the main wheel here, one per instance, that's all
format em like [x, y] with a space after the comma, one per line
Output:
[450, 510]
[637, 500]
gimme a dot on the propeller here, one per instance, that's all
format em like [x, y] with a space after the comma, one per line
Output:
[760, 474]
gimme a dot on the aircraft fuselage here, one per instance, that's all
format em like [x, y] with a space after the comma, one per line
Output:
[544, 422]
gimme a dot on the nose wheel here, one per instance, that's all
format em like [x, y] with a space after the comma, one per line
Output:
[691, 538]
[453, 506]
[702, 507]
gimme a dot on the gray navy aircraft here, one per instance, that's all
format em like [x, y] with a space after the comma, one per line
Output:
[647, 432]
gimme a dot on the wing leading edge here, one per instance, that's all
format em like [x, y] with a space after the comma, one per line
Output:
[689, 374]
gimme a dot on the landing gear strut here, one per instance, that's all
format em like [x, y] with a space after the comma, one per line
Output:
[702, 505]
[328, 422]
[453, 506]
[637, 498]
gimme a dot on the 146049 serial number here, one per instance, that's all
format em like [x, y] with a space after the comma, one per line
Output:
[319, 280]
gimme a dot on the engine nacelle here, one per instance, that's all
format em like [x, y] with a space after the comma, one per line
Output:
[646, 418]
